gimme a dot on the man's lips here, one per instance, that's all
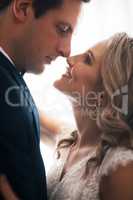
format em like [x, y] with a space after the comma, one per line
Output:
[49, 59]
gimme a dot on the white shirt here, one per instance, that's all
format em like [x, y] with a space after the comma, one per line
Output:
[6, 55]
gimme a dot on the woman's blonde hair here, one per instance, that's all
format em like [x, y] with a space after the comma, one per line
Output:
[117, 78]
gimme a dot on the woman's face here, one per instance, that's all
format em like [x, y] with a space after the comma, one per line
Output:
[83, 73]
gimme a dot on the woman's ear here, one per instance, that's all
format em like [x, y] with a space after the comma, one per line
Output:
[22, 9]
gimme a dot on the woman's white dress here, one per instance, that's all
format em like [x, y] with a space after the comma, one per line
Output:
[72, 186]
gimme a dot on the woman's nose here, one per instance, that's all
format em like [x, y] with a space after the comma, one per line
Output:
[70, 61]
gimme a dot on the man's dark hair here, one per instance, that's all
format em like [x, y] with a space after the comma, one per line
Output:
[40, 6]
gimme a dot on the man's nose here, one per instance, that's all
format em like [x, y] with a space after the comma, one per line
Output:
[65, 49]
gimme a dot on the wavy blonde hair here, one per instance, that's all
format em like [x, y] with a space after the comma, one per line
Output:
[116, 73]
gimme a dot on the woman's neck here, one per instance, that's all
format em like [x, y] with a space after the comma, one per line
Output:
[89, 133]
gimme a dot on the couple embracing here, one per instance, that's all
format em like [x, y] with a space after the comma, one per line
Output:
[97, 158]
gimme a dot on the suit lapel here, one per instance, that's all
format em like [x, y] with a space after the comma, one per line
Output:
[33, 109]
[4, 62]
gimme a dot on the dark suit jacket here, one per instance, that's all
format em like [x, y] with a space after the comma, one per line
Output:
[20, 157]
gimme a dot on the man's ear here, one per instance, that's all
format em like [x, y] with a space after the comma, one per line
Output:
[22, 9]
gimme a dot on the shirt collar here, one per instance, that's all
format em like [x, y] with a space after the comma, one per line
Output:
[6, 55]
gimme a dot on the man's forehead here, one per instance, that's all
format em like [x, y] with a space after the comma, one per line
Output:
[69, 5]
[69, 12]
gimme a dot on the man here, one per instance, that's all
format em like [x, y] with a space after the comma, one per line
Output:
[32, 33]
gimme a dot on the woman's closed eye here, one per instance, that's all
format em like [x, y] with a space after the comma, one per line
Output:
[88, 59]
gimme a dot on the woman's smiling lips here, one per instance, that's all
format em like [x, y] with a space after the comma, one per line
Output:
[68, 73]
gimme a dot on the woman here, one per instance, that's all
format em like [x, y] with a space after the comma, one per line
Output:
[96, 161]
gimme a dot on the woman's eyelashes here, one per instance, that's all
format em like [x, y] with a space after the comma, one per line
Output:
[88, 59]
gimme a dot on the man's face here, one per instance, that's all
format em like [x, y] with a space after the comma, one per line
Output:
[49, 36]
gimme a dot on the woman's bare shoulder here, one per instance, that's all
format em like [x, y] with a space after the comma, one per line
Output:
[118, 184]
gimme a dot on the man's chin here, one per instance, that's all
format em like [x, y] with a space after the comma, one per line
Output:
[37, 70]
[40, 70]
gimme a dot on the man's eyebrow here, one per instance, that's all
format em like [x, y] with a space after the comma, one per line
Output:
[92, 54]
